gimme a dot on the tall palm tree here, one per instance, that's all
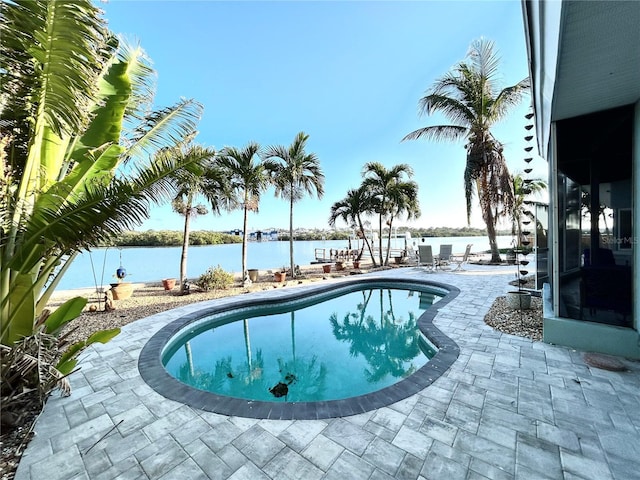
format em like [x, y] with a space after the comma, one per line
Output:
[250, 177]
[204, 179]
[298, 173]
[391, 195]
[522, 188]
[470, 98]
[73, 176]
[351, 209]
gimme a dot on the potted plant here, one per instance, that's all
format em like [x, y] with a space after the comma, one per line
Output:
[121, 290]
[281, 275]
[253, 274]
[356, 264]
[339, 266]
[326, 268]
[519, 300]
[168, 283]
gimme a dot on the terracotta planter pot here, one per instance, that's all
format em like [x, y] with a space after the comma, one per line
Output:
[339, 266]
[280, 276]
[168, 283]
[326, 268]
[122, 290]
[356, 264]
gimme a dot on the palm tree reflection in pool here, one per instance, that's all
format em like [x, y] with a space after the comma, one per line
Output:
[305, 378]
[240, 380]
[386, 345]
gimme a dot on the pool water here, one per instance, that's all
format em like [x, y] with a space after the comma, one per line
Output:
[344, 346]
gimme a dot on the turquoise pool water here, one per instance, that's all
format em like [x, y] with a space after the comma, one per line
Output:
[327, 348]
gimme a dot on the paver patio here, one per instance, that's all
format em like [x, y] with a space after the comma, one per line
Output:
[509, 407]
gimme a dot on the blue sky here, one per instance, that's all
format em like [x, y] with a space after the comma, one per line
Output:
[349, 74]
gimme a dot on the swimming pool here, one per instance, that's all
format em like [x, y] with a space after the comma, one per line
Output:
[314, 352]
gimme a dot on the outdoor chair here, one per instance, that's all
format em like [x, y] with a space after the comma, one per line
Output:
[444, 257]
[425, 257]
[460, 260]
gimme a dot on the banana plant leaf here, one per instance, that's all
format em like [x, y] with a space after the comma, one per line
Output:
[66, 312]
[68, 361]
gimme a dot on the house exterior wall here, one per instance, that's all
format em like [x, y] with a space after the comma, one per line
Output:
[557, 66]
[576, 333]
[636, 212]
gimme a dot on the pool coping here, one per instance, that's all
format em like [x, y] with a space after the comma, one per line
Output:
[155, 375]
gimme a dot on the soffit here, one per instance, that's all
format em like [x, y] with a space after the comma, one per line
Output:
[599, 57]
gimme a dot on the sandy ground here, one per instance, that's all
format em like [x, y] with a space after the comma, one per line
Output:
[151, 298]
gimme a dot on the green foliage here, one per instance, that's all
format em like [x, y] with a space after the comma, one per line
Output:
[203, 237]
[469, 96]
[172, 238]
[215, 279]
[447, 232]
[78, 138]
[250, 177]
[68, 360]
[66, 312]
[297, 173]
[309, 235]
[390, 194]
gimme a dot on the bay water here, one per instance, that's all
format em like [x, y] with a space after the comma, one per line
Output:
[151, 264]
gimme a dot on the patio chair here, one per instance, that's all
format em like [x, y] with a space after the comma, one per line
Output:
[460, 260]
[444, 257]
[425, 257]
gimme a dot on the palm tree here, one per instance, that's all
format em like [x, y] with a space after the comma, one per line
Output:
[73, 177]
[249, 177]
[469, 97]
[350, 209]
[298, 172]
[391, 195]
[204, 179]
[521, 188]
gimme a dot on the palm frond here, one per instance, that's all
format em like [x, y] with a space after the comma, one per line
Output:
[165, 127]
[295, 172]
[484, 61]
[65, 40]
[438, 133]
[509, 97]
[456, 110]
[143, 79]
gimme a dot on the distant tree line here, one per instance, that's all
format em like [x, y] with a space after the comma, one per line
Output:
[447, 232]
[316, 235]
[344, 234]
[172, 238]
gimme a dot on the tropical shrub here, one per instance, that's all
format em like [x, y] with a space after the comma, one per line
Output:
[77, 144]
[215, 279]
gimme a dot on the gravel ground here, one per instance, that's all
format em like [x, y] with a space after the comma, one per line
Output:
[149, 299]
[524, 323]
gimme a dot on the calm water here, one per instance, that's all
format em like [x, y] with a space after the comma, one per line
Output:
[145, 264]
[344, 346]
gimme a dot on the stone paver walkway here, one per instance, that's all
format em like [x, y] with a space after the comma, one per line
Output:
[507, 408]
